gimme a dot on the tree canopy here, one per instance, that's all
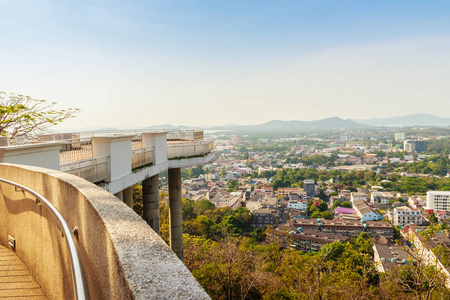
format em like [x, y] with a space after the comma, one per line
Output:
[22, 115]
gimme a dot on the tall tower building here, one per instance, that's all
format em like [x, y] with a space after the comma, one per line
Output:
[399, 136]
[409, 146]
[309, 187]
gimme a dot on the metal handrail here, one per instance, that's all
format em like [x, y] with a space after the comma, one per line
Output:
[77, 270]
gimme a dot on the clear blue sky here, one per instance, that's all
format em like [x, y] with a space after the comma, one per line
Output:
[142, 63]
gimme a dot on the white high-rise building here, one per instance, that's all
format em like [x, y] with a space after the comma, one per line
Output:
[399, 136]
[235, 139]
[438, 201]
[409, 146]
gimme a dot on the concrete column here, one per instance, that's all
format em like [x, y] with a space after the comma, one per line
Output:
[119, 195]
[128, 196]
[150, 195]
[175, 213]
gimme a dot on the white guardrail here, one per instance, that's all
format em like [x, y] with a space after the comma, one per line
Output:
[75, 149]
[93, 170]
[185, 135]
[142, 157]
[182, 150]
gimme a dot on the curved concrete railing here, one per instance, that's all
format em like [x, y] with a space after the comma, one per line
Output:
[123, 258]
[75, 263]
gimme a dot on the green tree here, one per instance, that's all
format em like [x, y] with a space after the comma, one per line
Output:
[233, 186]
[201, 206]
[346, 204]
[137, 199]
[433, 219]
[23, 116]
[336, 203]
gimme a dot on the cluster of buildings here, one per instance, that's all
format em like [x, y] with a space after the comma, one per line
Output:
[425, 247]
[274, 208]
[388, 255]
[311, 234]
[415, 146]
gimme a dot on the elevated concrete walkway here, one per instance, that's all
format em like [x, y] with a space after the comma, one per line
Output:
[16, 281]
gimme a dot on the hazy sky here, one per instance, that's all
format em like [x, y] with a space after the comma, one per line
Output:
[201, 63]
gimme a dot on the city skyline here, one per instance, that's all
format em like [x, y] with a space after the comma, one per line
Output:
[205, 64]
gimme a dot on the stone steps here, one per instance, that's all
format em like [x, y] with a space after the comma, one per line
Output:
[16, 281]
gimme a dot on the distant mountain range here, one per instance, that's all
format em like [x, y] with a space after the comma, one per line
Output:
[290, 126]
[325, 124]
[279, 126]
[409, 120]
[328, 124]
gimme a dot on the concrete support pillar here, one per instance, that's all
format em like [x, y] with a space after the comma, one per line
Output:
[150, 195]
[175, 212]
[128, 196]
[119, 195]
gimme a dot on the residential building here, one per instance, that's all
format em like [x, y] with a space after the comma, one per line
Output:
[421, 146]
[404, 215]
[365, 211]
[267, 190]
[358, 196]
[269, 202]
[438, 201]
[424, 247]
[312, 240]
[415, 145]
[345, 227]
[382, 146]
[388, 255]
[416, 202]
[309, 187]
[288, 191]
[409, 146]
[442, 215]
[381, 197]
[343, 210]
[235, 139]
[264, 217]
[399, 136]
[402, 196]
[297, 204]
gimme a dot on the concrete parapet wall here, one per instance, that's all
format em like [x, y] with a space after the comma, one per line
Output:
[122, 256]
[41, 155]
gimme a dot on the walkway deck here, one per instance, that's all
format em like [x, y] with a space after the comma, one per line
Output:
[16, 281]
